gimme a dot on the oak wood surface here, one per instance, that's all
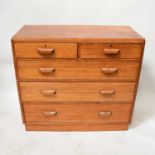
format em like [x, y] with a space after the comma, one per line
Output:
[76, 107]
[78, 127]
[137, 81]
[76, 91]
[77, 113]
[97, 50]
[77, 33]
[81, 69]
[67, 94]
[60, 50]
[17, 81]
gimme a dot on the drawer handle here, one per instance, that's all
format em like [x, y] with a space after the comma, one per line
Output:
[50, 113]
[107, 92]
[47, 70]
[46, 51]
[109, 70]
[111, 52]
[48, 92]
[105, 113]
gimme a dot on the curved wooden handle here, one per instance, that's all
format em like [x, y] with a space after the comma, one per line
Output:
[107, 92]
[46, 51]
[48, 92]
[105, 113]
[109, 70]
[47, 70]
[50, 113]
[111, 51]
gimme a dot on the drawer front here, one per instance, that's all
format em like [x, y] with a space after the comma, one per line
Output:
[60, 112]
[77, 91]
[83, 69]
[113, 50]
[84, 112]
[46, 50]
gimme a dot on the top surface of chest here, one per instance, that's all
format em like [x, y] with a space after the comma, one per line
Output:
[78, 33]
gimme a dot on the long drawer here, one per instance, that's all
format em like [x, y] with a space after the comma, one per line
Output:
[46, 50]
[73, 69]
[107, 50]
[74, 113]
[77, 91]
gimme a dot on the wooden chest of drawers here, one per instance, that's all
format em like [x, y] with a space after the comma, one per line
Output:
[77, 77]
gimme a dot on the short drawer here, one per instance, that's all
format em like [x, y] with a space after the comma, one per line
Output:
[114, 50]
[74, 113]
[73, 69]
[77, 91]
[46, 50]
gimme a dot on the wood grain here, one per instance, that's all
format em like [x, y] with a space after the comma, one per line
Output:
[61, 50]
[67, 113]
[137, 81]
[73, 69]
[63, 117]
[17, 81]
[77, 91]
[78, 127]
[77, 33]
[94, 50]
[77, 78]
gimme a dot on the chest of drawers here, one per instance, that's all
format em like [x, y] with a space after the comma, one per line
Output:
[79, 78]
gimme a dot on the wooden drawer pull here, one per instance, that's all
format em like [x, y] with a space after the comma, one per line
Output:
[111, 51]
[47, 70]
[48, 92]
[109, 70]
[46, 51]
[107, 92]
[50, 113]
[105, 113]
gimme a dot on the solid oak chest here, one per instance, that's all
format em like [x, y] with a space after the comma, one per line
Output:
[77, 77]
